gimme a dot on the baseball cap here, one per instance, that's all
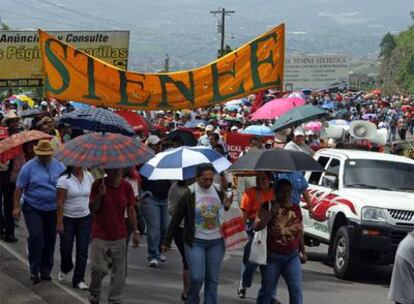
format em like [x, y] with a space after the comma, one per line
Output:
[234, 128]
[201, 125]
[153, 140]
[298, 132]
[209, 128]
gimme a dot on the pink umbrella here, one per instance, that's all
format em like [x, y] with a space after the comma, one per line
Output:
[276, 108]
[315, 126]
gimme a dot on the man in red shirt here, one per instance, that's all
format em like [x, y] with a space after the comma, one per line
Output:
[109, 199]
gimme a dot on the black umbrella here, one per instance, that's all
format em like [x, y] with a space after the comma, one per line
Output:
[276, 160]
[187, 137]
[297, 116]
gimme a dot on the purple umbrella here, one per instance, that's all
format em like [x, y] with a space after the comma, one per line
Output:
[369, 116]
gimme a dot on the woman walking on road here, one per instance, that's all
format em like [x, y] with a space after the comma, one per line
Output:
[204, 245]
[285, 250]
[37, 182]
[177, 190]
[74, 222]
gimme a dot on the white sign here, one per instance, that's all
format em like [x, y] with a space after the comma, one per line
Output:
[315, 72]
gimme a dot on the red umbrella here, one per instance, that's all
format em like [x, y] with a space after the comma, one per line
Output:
[104, 150]
[136, 121]
[12, 145]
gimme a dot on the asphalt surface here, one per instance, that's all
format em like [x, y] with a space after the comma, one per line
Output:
[163, 285]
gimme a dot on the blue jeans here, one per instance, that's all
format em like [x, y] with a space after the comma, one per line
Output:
[392, 131]
[289, 267]
[41, 226]
[157, 219]
[79, 229]
[248, 269]
[204, 262]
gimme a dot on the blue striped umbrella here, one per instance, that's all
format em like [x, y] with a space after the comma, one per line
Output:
[181, 163]
[97, 120]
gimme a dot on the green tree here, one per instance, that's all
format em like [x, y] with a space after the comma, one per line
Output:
[227, 49]
[387, 45]
[412, 15]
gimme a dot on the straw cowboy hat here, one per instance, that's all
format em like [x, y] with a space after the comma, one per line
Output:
[43, 147]
[9, 116]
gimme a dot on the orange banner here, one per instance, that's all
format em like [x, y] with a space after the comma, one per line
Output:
[70, 74]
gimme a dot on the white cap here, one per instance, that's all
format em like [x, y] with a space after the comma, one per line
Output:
[298, 132]
[201, 125]
[310, 132]
[152, 140]
[234, 128]
[44, 103]
[209, 128]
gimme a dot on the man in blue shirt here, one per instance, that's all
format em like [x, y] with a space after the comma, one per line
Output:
[299, 186]
[37, 182]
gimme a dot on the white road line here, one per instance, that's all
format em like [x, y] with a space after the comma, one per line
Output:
[24, 261]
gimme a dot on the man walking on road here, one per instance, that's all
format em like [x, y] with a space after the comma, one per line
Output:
[109, 199]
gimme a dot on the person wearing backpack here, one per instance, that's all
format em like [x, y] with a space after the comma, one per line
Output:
[200, 207]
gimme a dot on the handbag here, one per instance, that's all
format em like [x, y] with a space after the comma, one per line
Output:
[233, 229]
[258, 249]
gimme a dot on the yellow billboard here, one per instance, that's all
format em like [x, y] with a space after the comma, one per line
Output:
[73, 75]
[20, 56]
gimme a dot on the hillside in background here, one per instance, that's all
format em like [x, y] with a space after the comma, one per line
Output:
[397, 61]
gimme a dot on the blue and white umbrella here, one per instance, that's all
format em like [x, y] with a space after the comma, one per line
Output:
[258, 130]
[181, 163]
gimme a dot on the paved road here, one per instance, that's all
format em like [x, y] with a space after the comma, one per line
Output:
[161, 286]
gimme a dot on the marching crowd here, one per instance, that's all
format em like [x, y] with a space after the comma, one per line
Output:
[103, 212]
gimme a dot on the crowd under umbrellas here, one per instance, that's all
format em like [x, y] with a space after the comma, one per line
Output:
[109, 143]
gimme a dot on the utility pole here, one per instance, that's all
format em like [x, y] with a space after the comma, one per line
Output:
[221, 26]
[166, 63]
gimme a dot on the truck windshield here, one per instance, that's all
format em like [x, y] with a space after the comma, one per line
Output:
[378, 174]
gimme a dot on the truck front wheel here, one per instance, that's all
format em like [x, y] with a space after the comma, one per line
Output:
[345, 258]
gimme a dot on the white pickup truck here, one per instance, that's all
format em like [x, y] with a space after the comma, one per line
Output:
[362, 207]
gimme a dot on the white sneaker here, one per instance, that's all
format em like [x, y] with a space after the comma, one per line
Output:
[153, 263]
[82, 286]
[62, 276]
[163, 258]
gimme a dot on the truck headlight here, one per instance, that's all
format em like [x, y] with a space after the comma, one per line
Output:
[373, 214]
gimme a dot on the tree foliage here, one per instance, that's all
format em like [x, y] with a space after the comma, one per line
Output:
[397, 61]
[387, 46]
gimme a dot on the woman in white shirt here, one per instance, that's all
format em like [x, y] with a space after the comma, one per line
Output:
[199, 207]
[74, 222]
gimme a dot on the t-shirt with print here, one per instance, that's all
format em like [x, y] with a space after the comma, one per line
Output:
[207, 206]
[77, 194]
[108, 222]
[283, 230]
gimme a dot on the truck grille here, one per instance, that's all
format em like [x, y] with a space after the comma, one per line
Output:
[401, 215]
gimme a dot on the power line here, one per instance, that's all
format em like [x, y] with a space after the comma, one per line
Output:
[34, 18]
